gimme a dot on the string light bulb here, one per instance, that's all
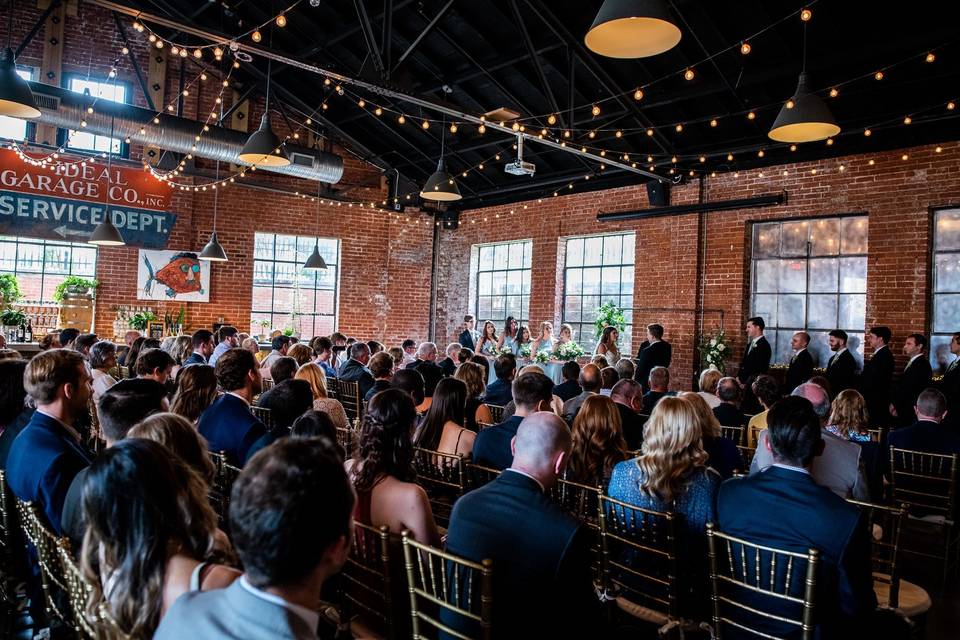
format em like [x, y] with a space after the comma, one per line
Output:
[591, 135]
[751, 116]
[878, 75]
[595, 110]
[281, 20]
[907, 120]
[453, 127]
[551, 119]
[619, 133]
[425, 125]
[793, 147]
[401, 119]
[867, 132]
[951, 105]
[833, 92]
[713, 122]
[197, 53]
[650, 132]
[930, 57]
[729, 157]
[378, 111]
[638, 95]
[679, 128]
[745, 48]
[482, 129]
[806, 14]
[688, 74]
[790, 104]
[256, 35]
[361, 103]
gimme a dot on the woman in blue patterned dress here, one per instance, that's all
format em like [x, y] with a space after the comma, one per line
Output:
[672, 475]
[488, 340]
[508, 337]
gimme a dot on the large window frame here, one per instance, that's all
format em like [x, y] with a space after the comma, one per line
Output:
[502, 282]
[609, 253]
[81, 140]
[945, 285]
[51, 261]
[17, 129]
[314, 295]
[831, 253]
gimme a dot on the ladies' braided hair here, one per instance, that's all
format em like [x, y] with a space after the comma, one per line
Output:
[386, 446]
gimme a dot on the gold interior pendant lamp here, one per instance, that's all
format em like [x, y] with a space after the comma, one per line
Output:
[632, 29]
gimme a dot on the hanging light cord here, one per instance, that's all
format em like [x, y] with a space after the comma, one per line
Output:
[9, 24]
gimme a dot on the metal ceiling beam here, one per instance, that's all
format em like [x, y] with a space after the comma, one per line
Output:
[133, 61]
[386, 41]
[35, 29]
[532, 54]
[367, 28]
[495, 67]
[423, 34]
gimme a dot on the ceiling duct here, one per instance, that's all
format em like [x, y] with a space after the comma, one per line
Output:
[63, 108]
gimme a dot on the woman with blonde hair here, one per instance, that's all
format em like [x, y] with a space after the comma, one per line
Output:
[301, 353]
[178, 435]
[181, 350]
[848, 417]
[566, 334]
[598, 443]
[672, 475]
[251, 345]
[545, 341]
[723, 454]
[313, 374]
[475, 412]
[709, 379]
[196, 390]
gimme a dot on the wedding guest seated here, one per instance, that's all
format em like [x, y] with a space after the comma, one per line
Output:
[599, 361]
[290, 518]
[154, 364]
[130, 361]
[227, 424]
[627, 395]
[659, 382]
[67, 337]
[409, 351]
[499, 391]
[625, 368]
[411, 383]
[282, 369]
[541, 553]
[928, 434]
[483, 362]
[251, 345]
[83, 343]
[785, 507]
[382, 470]
[323, 347]
[397, 354]
[128, 339]
[463, 355]
[49, 341]
[103, 358]
[355, 369]
[709, 378]
[590, 381]
[672, 474]
[424, 363]
[203, 347]
[848, 417]
[608, 378]
[278, 348]
[320, 398]
[381, 368]
[597, 442]
[181, 350]
[196, 390]
[14, 412]
[839, 467]
[532, 392]
[180, 436]
[301, 354]
[570, 386]
[289, 401]
[442, 430]
[227, 338]
[316, 424]
[449, 364]
[766, 390]
[46, 456]
[728, 411]
[722, 452]
[476, 412]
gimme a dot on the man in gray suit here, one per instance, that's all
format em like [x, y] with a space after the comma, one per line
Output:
[290, 519]
[839, 468]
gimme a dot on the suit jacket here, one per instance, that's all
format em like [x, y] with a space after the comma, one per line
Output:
[567, 389]
[786, 509]
[572, 406]
[949, 386]
[841, 372]
[755, 361]
[729, 415]
[632, 425]
[925, 436]
[650, 355]
[839, 468]
[195, 358]
[469, 339]
[448, 367]
[233, 613]
[498, 393]
[228, 426]
[72, 523]
[353, 371]
[651, 398]
[875, 384]
[914, 379]
[10, 431]
[800, 370]
[43, 461]
[541, 557]
[491, 448]
[378, 386]
[432, 374]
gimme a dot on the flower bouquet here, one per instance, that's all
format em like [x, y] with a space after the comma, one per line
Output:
[714, 350]
[523, 351]
[504, 350]
[568, 351]
[542, 357]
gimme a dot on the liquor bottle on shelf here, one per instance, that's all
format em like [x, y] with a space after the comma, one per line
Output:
[29, 334]
[21, 333]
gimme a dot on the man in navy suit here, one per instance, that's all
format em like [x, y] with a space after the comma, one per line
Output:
[756, 360]
[928, 433]
[427, 366]
[541, 555]
[784, 508]
[877, 377]
[469, 337]
[202, 347]
[653, 352]
[532, 392]
[355, 369]
[48, 453]
[915, 378]
[842, 367]
[801, 364]
[570, 387]
[227, 424]
[949, 384]
[499, 391]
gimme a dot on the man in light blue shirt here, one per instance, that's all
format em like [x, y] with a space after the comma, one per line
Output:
[227, 338]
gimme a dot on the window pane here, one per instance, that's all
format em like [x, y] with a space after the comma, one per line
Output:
[500, 253]
[765, 306]
[612, 249]
[790, 311]
[500, 283]
[946, 312]
[946, 269]
[823, 312]
[591, 281]
[825, 237]
[574, 281]
[823, 274]
[947, 230]
[263, 246]
[765, 274]
[571, 309]
[593, 251]
[485, 283]
[629, 248]
[853, 275]
[626, 281]
[514, 285]
[853, 311]
[793, 276]
[940, 355]
[516, 256]
[794, 238]
[854, 235]
[766, 240]
[610, 281]
[486, 257]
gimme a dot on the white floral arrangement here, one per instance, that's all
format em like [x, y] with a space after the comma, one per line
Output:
[714, 351]
[542, 357]
[568, 351]
[524, 351]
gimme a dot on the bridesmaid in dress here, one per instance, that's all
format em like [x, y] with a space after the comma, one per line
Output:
[508, 337]
[488, 340]
[545, 341]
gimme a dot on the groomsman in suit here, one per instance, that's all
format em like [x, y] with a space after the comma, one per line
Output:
[654, 352]
[914, 379]
[877, 377]
[756, 360]
[842, 367]
[801, 364]
[469, 337]
[949, 385]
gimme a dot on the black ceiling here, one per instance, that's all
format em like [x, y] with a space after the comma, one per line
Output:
[475, 56]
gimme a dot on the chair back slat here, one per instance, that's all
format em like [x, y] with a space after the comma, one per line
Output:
[478, 475]
[263, 415]
[447, 593]
[733, 433]
[45, 544]
[442, 477]
[580, 500]
[347, 392]
[926, 482]
[747, 453]
[496, 413]
[765, 591]
[365, 579]
[885, 524]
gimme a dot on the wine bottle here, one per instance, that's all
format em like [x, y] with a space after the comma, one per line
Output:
[21, 333]
[29, 336]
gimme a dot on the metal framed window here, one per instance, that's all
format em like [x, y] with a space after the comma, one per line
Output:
[597, 270]
[502, 286]
[114, 91]
[41, 265]
[286, 296]
[946, 286]
[810, 275]
[16, 128]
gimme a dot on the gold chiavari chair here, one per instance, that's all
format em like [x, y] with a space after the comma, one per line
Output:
[496, 413]
[347, 392]
[263, 415]
[875, 434]
[639, 561]
[124, 373]
[348, 437]
[442, 477]
[580, 500]
[223, 479]
[365, 579]
[9, 536]
[266, 384]
[747, 454]
[733, 433]
[478, 475]
[443, 585]
[927, 483]
[78, 593]
[45, 543]
[764, 591]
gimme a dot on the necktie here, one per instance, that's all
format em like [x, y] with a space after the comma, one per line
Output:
[750, 348]
[953, 365]
[834, 358]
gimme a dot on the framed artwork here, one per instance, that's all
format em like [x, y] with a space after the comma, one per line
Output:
[156, 330]
[172, 275]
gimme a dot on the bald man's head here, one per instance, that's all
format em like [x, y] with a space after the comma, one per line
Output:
[590, 377]
[818, 397]
[541, 445]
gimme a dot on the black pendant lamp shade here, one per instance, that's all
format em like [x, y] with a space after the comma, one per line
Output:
[106, 235]
[213, 250]
[440, 187]
[16, 99]
[315, 261]
[807, 120]
[263, 147]
[632, 29]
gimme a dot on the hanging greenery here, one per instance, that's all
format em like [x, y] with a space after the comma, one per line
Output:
[609, 315]
[9, 289]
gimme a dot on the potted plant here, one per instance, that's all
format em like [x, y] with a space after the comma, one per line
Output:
[74, 285]
[9, 290]
[12, 318]
[610, 315]
[140, 321]
[264, 329]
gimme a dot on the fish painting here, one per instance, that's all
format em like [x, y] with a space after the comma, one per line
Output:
[181, 275]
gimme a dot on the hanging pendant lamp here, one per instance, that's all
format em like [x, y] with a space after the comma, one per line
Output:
[316, 261]
[263, 148]
[632, 29]
[16, 98]
[441, 187]
[106, 234]
[213, 250]
[805, 117]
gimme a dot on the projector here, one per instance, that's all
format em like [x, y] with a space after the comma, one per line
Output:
[520, 168]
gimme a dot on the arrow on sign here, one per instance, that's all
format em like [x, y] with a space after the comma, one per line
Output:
[64, 232]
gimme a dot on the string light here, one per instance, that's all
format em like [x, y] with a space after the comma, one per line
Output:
[425, 125]
[281, 20]
[551, 119]
[878, 75]
[907, 120]
[806, 14]
[679, 128]
[930, 57]
[595, 110]
[867, 132]
[951, 106]
[453, 127]
[401, 119]
[256, 36]
[713, 122]
[833, 92]
[638, 95]
[745, 48]
[751, 116]
[689, 74]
